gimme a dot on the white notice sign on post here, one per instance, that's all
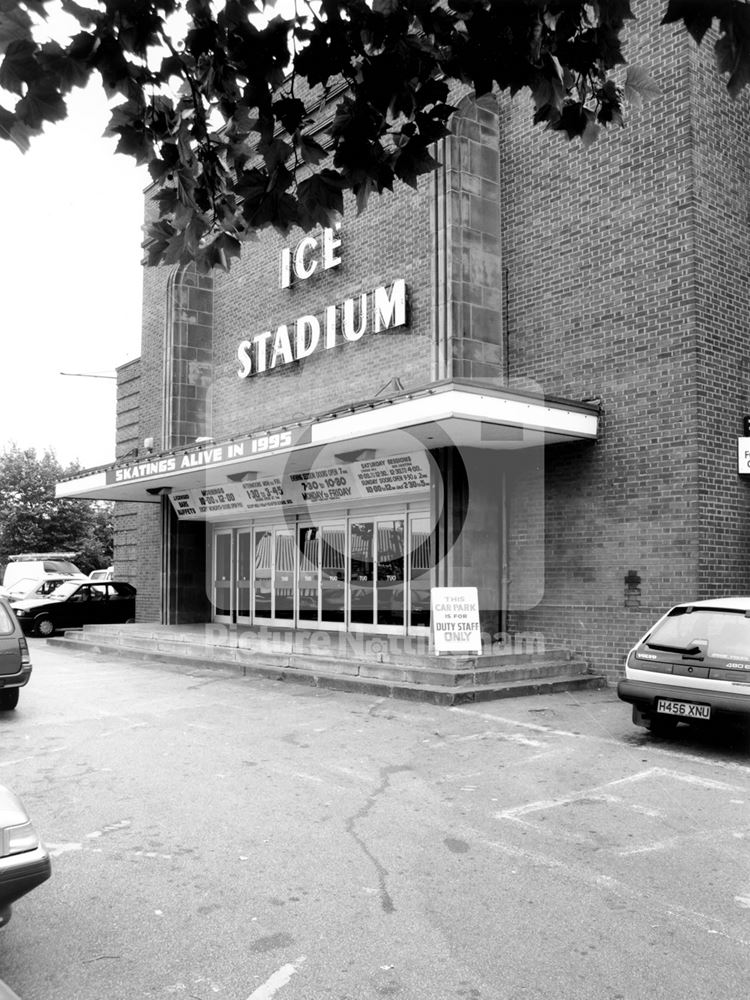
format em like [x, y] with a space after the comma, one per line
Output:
[455, 620]
[743, 456]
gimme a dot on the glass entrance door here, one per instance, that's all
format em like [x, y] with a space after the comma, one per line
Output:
[321, 587]
[283, 575]
[333, 575]
[376, 574]
[244, 576]
[308, 593]
[262, 572]
[369, 574]
[421, 562]
[222, 576]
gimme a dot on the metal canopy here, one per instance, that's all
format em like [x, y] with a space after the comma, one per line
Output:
[459, 413]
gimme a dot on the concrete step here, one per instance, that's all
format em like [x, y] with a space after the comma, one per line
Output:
[436, 682]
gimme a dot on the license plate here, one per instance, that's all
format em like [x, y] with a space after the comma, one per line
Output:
[685, 709]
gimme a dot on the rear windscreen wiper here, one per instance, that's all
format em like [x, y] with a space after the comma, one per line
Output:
[685, 650]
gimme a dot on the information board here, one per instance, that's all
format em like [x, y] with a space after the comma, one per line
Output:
[455, 620]
[373, 478]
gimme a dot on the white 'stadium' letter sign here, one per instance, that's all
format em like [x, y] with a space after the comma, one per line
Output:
[384, 308]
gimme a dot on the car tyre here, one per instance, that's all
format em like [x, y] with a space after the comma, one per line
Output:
[44, 626]
[8, 700]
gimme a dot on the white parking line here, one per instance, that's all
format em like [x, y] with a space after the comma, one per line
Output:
[726, 765]
[280, 978]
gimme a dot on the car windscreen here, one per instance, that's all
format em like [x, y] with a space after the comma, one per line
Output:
[727, 632]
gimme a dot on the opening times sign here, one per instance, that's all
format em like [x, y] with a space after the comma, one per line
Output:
[378, 477]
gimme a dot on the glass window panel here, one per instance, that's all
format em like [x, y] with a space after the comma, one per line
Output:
[244, 572]
[421, 561]
[309, 562]
[333, 572]
[263, 562]
[390, 552]
[362, 572]
[284, 574]
[223, 574]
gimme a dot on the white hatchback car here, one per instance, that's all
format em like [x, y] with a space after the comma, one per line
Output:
[692, 666]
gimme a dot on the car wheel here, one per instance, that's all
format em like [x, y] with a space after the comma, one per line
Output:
[44, 626]
[8, 699]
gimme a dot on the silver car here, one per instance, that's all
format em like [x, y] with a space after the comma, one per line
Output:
[693, 665]
[24, 860]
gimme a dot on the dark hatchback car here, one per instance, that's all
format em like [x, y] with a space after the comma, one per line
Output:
[75, 604]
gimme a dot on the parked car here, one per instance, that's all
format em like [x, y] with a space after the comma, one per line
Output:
[27, 589]
[15, 662]
[692, 666]
[77, 603]
[24, 860]
[101, 574]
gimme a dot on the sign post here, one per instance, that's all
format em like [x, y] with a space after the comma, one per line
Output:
[455, 620]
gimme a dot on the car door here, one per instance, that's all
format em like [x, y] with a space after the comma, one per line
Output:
[120, 605]
[74, 611]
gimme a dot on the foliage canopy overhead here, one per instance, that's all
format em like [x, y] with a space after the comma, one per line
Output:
[214, 96]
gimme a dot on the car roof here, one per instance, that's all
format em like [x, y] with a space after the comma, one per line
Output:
[736, 603]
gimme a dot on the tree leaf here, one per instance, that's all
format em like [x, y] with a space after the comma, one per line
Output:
[640, 86]
[386, 7]
[733, 48]
[697, 16]
[20, 66]
[15, 26]
[310, 150]
[41, 104]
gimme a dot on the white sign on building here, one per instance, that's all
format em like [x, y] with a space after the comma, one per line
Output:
[743, 456]
[455, 620]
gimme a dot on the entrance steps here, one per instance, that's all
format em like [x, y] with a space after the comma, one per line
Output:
[390, 666]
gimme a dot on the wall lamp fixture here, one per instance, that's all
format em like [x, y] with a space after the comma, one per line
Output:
[361, 455]
[248, 476]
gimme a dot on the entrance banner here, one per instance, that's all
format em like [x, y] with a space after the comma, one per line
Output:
[373, 478]
[210, 456]
[455, 620]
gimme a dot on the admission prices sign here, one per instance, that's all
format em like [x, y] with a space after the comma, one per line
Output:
[455, 620]
[393, 475]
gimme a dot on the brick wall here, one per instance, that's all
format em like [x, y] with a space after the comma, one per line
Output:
[138, 546]
[390, 240]
[625, 267]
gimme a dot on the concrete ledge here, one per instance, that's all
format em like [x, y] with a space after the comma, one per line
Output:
[420, 682]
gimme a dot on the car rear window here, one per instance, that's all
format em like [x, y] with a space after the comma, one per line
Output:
[7, 624]
[727, 632]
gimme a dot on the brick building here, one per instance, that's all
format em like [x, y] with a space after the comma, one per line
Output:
[528, 376]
